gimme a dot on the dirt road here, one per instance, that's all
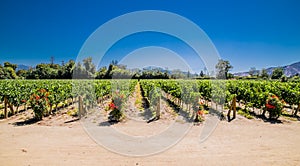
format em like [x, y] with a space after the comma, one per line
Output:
[242, 141]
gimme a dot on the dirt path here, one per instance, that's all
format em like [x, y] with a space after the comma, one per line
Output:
[143, 113]
[242, 141]
[61, 140]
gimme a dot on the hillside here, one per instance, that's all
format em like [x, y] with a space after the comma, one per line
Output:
[289, 70]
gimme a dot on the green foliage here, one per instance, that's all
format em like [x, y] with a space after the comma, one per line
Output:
[13, 66]
[223, 68]
[152, 90]
[86, 69]
[121, 89]
[18, 92]
[294, 79]
[49, 71]
[249, 92]
[245, 113]
[253, 71]
[277, 73]
[22, 73]
[116, 115]
[101, 73]
[274, 106]
[200, 113]
[201, 74]
[89, 67]
[39, 103]
[200, 116]
[73, 112]
[264, 74]
[121, 73]
[7, 73]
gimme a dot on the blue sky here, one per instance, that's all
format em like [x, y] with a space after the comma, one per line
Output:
[247, 33]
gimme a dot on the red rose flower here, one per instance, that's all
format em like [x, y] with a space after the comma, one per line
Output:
[200, 112]
[112, 106]
[269, 106]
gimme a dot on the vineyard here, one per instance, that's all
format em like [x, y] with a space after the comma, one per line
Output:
[186, 94]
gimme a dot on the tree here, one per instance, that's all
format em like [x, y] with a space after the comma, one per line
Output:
[90, 68]
[230, 76]
[201, 74]
[68, 69]
[284, 78]
[176, 73]
[22, 73]
[223, 67]
[120, 73]
[87, 70]
[114, 62]
[252, 71]
[101, 73]
[10, 73]
[79, 71]
[2, 74]
[32, 74]
[264, 73]
[295, 78]
[277, 73]
[13, 66]
[44, 71]
[87, 63]
[108, 71]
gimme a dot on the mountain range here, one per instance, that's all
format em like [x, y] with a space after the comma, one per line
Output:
[289, 70]
[22, 67]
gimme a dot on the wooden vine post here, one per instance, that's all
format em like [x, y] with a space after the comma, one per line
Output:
[232, 107]
[5, 107]
[11, 108]
[297, 110]
[158, 109]
[80, 107]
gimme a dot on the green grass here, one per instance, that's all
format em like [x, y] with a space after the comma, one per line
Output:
[245, 113]
[1, 114]
[289, 116]
[73, 112]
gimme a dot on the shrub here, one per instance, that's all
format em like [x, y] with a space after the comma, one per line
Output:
[200, 113]
[39, 103]
[274, 106]
[116, 106]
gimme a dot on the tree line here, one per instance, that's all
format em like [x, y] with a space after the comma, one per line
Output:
[86, 69]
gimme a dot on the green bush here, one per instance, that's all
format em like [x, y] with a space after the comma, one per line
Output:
[40, 103]
[274, 106]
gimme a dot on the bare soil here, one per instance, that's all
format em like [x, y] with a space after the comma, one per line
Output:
[61, 140]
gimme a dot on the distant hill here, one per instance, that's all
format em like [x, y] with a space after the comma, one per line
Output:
[22, 67]
[289, 70]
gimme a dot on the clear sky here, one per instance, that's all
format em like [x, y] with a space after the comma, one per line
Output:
[248, 33]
